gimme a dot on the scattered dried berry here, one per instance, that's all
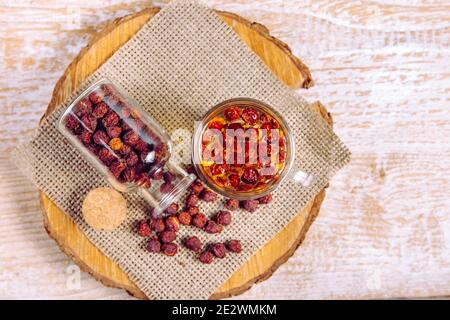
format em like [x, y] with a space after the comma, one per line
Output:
[172, 223]
[234, 180]
[234, 246]
[100, 137]
[208, 195]
[169, 249]
[166, 187]
[206, 257]
[117, 167]
[185, 218]
[72, 122]
[111, 119]
[192, 200]
[199, 220]
[265, 199]
[218, 249]
[158, 225]
[86, 137]
[249, 205]
[106, 156]
[167, 236]
[193, 210]
[193, 243]
[114, 132]
[130, 138]
[197, 187]
[100, 110]
[232, 204]
[143, 229]
[172, 208]
[115, 144]
[223, 217]
[213, 227]
[153, 245]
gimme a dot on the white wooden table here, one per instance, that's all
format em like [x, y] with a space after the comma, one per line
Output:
[382, 69]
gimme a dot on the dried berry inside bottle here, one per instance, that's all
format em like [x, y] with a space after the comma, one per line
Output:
[116, 133]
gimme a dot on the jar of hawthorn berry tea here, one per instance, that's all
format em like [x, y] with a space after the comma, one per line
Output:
[243, 149]
[125, 144]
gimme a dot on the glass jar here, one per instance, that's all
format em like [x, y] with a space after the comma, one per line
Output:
[125, 144]
[243, 149]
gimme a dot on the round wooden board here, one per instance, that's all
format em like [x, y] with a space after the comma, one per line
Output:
[278, 57]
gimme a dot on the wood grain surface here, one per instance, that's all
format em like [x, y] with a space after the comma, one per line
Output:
[288, 68]
[381, 67]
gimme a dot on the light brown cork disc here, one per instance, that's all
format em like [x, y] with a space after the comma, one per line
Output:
[278, 57]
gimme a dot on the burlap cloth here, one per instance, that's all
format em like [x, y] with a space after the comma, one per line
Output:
[181, 63]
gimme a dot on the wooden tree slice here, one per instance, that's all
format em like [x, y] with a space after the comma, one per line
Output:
[278, 57]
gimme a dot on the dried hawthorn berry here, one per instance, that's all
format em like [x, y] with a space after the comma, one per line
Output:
[250, 116]
[126, 149]
[107, 89]
[197, 187]
[72, 122]
[100, 110]
[143, 229]
[208, 195]
[218, 249]
[250, 176]
[130, 138]
[116, 168]
[234, 180]
[169, 249]
[191, 200]
[115, 144]
[193, 210]
[131, 159]
[166, 187]
[83, 107]
[167, 236]
[265, 199]
[249, 205]
[199, 220]
[185, 218]
[232, 204]
[111, 119]
[169, 177]
[114, 132]
[158, 225]
[143, 180]
[96, 96]
[206, 257]
[129, 175]
[172, 223]
[153, 245]
[158, 174]
[90, 122]
[141, 145]
[172, 208]
[217, 169]
[232, 113]
[100, 137]
[213, 227]
[106, 156]
[223, 217]
[234, 246]
[193, 243]
[86, 137]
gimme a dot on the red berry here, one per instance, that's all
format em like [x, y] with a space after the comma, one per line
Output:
[250, 116]
[153, 245]
[86, 137]
[114, 132]
[197, 187]
[217, 169]
[218, 249]
[131, 138]
[206, 257]
[250, 176]
[249, 205]
[143, 229]
[234, 180]
[193, 243]
[100, 110]
[232, 204]
[89, 122]
[213, 227]
[131, 159]
[232, 113]
[83, 107]
[172, 208]
[169, 249]
[100, 137]
[96, 96]
[172, 223]
[185, 218]
[265, 199]
[167, 236]
[216, 125]
[193, 211]
[208, 195]
[234, 246]
[143, 180]
[223, 217]
[158, 225]
[192, 200]
[199, 220]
